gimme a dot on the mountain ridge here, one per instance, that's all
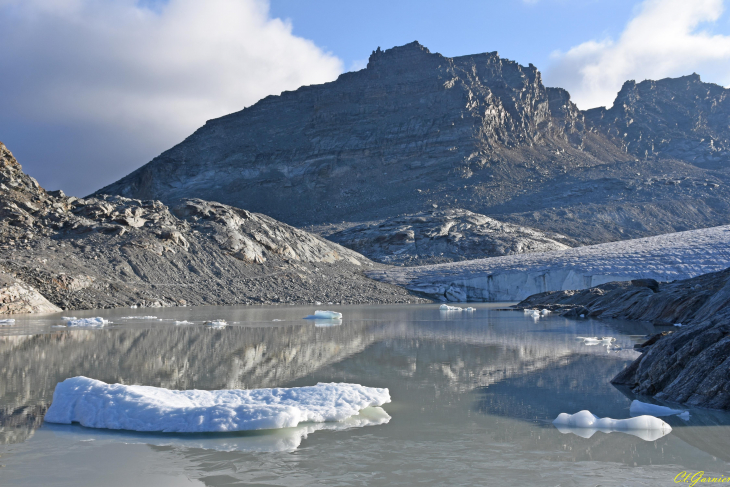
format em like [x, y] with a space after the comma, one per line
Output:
[416, 130]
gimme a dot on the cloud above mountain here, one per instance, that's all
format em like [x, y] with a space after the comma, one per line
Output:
[137, 77]
[666, 38]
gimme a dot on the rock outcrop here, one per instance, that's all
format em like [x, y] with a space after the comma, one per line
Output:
[690, 365]
[416, 129]
[113, 251]
[17, 297]
[443, 236]
[515, 277]
[679, 118]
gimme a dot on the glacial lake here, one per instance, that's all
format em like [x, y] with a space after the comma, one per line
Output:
[473, 399]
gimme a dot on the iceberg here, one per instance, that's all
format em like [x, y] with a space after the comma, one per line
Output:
[446, 307]
[324, 315]
[7, 322]
[219, 324]
[585, 424]
[638, 408]
[96, 404]
[596, 340]
[96, 322]
[275, 440]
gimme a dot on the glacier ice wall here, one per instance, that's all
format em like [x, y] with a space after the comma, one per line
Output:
[667, 257]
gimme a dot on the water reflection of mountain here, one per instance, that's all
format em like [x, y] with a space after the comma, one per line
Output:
[455, 356]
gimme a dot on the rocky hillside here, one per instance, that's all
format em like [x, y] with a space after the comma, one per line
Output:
[76, 253]
[689, 365]
[681, 118]
[416, 129]
[434, 237]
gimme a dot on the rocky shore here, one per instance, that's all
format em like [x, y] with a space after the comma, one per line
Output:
[60, 252]
[688, 364]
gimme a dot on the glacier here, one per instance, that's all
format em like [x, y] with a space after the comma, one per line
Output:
[514, 277]
[96, 404]
[585, 424]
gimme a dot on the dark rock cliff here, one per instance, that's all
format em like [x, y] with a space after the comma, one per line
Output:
[690, 364]
[680, 118]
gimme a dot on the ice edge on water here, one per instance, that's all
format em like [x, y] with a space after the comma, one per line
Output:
[585, 424]
[95, 404]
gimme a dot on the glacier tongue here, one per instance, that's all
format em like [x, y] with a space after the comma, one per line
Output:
[95, 404]
[668, 257]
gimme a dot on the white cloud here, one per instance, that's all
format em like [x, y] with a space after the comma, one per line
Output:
[151, 77]
[666, 38]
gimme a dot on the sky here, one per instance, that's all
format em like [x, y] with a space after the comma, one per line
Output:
[93, 89]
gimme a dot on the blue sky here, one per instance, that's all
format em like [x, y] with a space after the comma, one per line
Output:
[94, 89]
[527, 32]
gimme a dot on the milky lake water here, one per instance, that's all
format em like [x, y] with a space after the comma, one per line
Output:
[474, 395]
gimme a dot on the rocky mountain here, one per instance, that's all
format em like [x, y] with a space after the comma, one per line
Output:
[689, 365]
[435, 237]
[679, 118]
[75, 253]
[417, 129]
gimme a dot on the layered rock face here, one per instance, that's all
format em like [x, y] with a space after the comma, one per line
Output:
[416, 129]
[680, 118]
[442, 236]
[689, 365]
[115, 251]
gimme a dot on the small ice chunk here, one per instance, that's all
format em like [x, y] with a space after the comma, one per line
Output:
[317, 303]
[638, 408]
[678, 324]
[446, 307]
[324, 315]
[95, 404]
[217, 324]
[184, 322]
[544, 312]
[134, 306]
[96, 322]
[138, 318]
[277, 319]
[7, 322]
[582, 316]
[597, 340]
[585, 424]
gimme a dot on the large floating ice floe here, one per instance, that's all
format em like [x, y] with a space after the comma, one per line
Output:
[95, 404]
[97, 322]
[282, 439]
[639, 408]
[514, 277]
[324, 315]
[585, 424]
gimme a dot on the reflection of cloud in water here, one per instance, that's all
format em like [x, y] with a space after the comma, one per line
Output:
[274, 440]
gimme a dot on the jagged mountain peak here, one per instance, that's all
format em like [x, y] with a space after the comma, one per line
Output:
[416, 129]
